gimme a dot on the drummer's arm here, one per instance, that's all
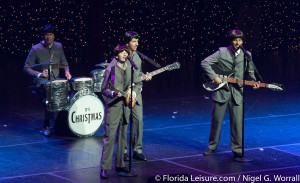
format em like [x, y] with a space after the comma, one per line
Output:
[30, 60]
[63, 60]
[68, 75]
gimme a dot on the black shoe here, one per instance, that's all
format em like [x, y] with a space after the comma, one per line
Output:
[139, 156]
[46, 131]
[122, 169]
[103, 174]
[237, 155]
[126, 157]
[209, 152]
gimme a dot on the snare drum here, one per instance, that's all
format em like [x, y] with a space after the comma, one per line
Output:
[85, 114]
[57, 94]
[97, 76]
[80, 83]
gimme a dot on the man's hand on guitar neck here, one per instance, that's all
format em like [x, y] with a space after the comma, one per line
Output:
[256, 85]
[148, 76]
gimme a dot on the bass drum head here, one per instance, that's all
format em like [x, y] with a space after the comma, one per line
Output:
[86, 115]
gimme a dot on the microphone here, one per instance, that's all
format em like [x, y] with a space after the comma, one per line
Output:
[245, 51]
[132, 62]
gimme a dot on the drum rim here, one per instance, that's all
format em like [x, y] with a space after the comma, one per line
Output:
[82, 77]
[81, 93]
[55, 81]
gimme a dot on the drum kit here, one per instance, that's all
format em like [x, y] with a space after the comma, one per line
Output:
[85, 109]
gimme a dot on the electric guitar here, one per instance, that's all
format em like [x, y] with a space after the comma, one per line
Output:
[126, 94]
[226, 78]
[175, 65]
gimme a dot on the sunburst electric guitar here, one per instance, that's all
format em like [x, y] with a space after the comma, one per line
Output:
[226, 78]
[126, 94]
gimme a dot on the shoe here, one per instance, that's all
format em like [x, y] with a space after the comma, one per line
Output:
[122, 169]
[237, 155]
[126, 157]
[139, 156]
[103, 174]
[209, 152]
[46, 131]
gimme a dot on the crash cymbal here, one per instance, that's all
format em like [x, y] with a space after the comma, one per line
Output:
[103, 65]
[47, 64]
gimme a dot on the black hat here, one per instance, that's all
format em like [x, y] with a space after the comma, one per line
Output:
[49, 29]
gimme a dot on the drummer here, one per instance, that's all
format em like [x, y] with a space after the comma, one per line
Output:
[37, 65]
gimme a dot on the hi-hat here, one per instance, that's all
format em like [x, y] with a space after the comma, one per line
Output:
[103, 65]
[53, 65]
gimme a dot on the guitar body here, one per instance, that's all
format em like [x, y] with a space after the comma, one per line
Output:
[127, 102]
[211, 85]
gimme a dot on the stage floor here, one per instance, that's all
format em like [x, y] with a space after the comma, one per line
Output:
[175, 135]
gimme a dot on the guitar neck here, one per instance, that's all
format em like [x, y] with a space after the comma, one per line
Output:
[153, 73]
[250, 83]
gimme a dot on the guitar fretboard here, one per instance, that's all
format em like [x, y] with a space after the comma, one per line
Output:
[250, 83]
[153, 73]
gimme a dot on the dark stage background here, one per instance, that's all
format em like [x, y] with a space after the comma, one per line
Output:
[184, 31]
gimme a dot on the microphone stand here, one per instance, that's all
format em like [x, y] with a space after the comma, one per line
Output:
[246, 60]
[49, 78]
[131, 172]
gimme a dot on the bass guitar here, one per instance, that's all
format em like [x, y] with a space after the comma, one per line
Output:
[226, 77]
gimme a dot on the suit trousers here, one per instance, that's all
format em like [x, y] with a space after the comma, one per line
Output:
[236, 115]
[138, 128]
[114, 125]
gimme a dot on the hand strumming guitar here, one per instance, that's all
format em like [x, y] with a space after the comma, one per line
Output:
[218, 80]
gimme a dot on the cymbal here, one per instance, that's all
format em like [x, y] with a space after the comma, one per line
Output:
[103, 65]
[53, 65]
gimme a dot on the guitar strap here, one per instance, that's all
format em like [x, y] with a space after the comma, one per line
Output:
[149, 60]
[254, 67]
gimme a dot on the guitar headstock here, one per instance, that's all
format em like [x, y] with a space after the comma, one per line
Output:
[173, 66]
[276, 87]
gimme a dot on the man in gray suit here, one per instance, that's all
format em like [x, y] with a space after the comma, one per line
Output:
[228, 59]
[131, 39]
[46, 51]
[116, 81]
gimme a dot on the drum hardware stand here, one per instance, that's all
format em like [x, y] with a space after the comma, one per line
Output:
[131, 172]
[50, 80]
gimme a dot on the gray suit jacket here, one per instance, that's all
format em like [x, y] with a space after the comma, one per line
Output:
[39, 54]
[138, 72]
[117, 78]
[226, 60]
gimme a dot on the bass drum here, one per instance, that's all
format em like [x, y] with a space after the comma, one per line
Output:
[85, 113]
